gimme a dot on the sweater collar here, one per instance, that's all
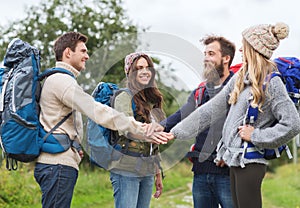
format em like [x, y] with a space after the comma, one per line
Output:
[64, 65]
[247, 81]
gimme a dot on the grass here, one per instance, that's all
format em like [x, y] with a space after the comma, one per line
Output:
[18, 188]
[94, 189]
[281, 189]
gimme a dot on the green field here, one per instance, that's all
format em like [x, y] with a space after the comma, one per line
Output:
[281, 189]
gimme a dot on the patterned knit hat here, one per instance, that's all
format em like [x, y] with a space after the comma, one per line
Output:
[129, 59]
[265, 38]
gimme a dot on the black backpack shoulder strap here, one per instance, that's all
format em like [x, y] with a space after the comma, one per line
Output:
[58, 124]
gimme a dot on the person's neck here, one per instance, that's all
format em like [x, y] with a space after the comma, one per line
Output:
[225, 76]
[65, 65]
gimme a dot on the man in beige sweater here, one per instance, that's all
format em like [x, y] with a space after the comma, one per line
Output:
[57, 173]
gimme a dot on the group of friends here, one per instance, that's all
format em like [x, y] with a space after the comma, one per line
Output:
[220, 114]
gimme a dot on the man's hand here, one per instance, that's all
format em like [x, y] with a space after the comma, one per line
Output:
[153, 127]
[220, 163]
[159, 137]
[81, 154]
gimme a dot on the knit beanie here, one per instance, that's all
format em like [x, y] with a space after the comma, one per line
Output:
[129, 59]
[265, 38]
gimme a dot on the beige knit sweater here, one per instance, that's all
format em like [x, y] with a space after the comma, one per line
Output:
[60, 95]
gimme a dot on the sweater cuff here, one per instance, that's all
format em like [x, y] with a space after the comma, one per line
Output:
[174, 133]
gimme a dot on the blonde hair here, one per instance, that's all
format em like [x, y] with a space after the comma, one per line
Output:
[256, 67]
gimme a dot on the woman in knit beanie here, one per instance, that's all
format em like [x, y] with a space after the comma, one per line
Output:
[259, 42]
[277, 120]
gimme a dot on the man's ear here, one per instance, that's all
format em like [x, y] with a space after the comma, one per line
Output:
[226, 59]
[67, 53]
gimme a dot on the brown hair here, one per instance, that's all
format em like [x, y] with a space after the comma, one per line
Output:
[67, 40]
[146, 98]
[227, 47]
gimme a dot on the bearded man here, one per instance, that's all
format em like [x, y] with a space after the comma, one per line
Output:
[211, 182]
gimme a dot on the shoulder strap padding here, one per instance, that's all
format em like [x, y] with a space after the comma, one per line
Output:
[199, 93]
[117, 92]
[49, 72]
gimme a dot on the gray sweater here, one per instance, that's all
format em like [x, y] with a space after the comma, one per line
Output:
[278, 106]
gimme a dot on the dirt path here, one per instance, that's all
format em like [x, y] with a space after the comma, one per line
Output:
[176, 198]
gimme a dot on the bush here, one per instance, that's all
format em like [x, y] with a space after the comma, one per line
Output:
[18, 188]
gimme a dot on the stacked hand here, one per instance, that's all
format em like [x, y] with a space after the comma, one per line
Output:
[155, 134]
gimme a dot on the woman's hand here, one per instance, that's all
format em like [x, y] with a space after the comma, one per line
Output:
[158, 185]
[245, 132]
[159, 137]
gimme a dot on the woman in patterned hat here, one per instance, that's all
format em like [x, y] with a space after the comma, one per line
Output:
[144, 102]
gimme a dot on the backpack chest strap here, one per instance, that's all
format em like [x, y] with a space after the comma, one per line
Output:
[135, 148]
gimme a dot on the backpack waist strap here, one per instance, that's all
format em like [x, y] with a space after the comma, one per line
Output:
[196, 154]
[57, 143]
[134, 154]
[66, 142]
[249, 151]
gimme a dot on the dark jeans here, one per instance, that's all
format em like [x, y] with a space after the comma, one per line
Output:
[57, 184]
[246, 185]
[212, 190]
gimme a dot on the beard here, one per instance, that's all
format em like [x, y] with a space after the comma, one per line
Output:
[213, 73]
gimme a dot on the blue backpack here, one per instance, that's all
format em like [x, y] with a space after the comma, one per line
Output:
[252, 152]
[22, 136]
[289, 68]
[102, 142]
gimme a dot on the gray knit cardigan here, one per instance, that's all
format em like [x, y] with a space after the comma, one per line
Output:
[278, 106]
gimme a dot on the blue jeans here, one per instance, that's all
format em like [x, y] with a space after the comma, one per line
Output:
[210, 190]
[132, 192]
[57, 184]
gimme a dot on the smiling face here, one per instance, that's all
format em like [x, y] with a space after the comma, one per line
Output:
[71, 49]
[144, 73]
[213, 56]
[78, 58]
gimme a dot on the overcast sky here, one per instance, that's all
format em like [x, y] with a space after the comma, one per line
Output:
[190, 20]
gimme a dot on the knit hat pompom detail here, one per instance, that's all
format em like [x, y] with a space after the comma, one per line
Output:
[265, 38]
[281, 30]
